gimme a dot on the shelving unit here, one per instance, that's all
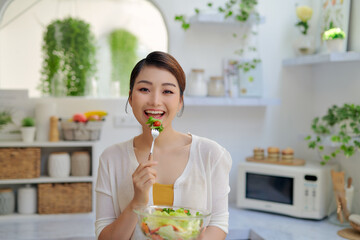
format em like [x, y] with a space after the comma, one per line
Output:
[47, 148]
[225, 101]
[218, 18]
[322, 58]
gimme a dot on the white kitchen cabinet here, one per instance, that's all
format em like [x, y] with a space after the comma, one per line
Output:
[46, 148]
[322, 58]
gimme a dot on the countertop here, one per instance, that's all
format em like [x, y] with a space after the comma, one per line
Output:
[271, 226]
[80, 227]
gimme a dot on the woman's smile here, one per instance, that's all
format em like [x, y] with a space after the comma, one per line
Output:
[158, 114]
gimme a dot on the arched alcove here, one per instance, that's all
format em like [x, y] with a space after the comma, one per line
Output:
[22, 25]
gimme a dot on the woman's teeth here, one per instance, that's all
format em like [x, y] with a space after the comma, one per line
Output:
[154, 113]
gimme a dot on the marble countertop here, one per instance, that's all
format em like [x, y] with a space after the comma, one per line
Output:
[80, 227]
[278, 227]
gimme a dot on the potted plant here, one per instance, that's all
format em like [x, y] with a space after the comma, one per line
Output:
[242, 11]
[334, 38]
[5, 118]
[123, 46]
[28, 129]
[69, 58]
[339, 128]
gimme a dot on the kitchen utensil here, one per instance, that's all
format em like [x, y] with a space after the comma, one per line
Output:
[338, 179]
[155, 133]
[180, 226]
[349, 182]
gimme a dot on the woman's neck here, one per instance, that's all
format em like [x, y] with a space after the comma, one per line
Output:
[168, 138]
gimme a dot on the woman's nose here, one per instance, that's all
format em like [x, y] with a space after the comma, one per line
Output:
[155, 98]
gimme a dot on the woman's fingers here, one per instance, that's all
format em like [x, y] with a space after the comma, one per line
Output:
[144, 174]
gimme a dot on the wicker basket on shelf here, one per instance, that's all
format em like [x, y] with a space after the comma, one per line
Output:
[64, 198]
[19, 163]
[80, 131]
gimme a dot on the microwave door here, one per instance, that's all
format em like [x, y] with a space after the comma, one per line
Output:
[269, 188]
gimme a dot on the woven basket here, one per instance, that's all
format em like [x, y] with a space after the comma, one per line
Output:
[64, 198]
[19, 163]
[79, 131]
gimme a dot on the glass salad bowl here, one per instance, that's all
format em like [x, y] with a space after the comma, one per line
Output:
[170, 222]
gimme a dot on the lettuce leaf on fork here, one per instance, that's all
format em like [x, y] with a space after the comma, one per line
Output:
[151, 122]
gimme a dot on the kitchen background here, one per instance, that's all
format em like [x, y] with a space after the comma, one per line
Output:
[304, 91]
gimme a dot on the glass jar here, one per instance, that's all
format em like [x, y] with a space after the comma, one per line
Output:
[7, 201]
[216, 87]
[197, 86]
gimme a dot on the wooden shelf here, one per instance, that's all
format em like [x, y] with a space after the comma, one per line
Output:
[322, 58]
[224, 101]
[46, 180]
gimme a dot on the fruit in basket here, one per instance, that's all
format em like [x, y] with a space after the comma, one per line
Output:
[94, 118]
[99, 113]
[79, 117]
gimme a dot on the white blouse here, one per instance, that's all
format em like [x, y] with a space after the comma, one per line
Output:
[204, 183]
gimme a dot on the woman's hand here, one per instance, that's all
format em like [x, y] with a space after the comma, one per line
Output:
[143, 178]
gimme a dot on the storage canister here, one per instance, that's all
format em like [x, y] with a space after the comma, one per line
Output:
[80, 164]
[197, 85]
[216, 87]
[27, 200]
[59, 164]
[7, 201]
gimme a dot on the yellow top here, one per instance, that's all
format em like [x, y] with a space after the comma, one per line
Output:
[163, 194]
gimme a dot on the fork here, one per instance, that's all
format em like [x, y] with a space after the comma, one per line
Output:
[155, 134]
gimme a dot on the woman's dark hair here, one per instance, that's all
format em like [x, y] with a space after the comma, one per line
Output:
[164, 61]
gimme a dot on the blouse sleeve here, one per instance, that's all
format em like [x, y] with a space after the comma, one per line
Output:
[220, 192]
[105, 213]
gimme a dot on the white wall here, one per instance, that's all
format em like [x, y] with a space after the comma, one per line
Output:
[305, 91]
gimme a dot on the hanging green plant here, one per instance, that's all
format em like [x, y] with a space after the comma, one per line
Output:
[123, 45]
[69, 58]
[242, 11]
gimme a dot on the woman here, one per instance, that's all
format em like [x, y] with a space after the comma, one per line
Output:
[184, 169]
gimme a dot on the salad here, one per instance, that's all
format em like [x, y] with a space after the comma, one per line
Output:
[155, 124]
[156, 227]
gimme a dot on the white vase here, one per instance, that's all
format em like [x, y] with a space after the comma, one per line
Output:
[304, 45]
[335, 45]
[59, 165]
[26, 200]
[28, 134]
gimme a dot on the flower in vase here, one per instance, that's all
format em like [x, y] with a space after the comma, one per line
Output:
[304, 13]
[334, 33]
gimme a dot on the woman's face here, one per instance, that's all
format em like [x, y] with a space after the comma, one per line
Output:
[156, 93]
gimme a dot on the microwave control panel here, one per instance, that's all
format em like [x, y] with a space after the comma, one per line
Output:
[310, 193]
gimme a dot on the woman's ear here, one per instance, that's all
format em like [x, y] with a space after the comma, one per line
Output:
[130, 98]
[181, 103]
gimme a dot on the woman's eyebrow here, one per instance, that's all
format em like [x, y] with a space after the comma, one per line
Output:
[168, 84]
[148, 82]
[144, 81]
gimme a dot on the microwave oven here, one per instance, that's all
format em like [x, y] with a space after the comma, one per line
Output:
[298, 191]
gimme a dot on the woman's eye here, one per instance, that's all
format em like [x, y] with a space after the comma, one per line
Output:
[168, 92]
[143, 90]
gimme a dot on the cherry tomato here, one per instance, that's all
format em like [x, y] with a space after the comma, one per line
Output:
[157, 124]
